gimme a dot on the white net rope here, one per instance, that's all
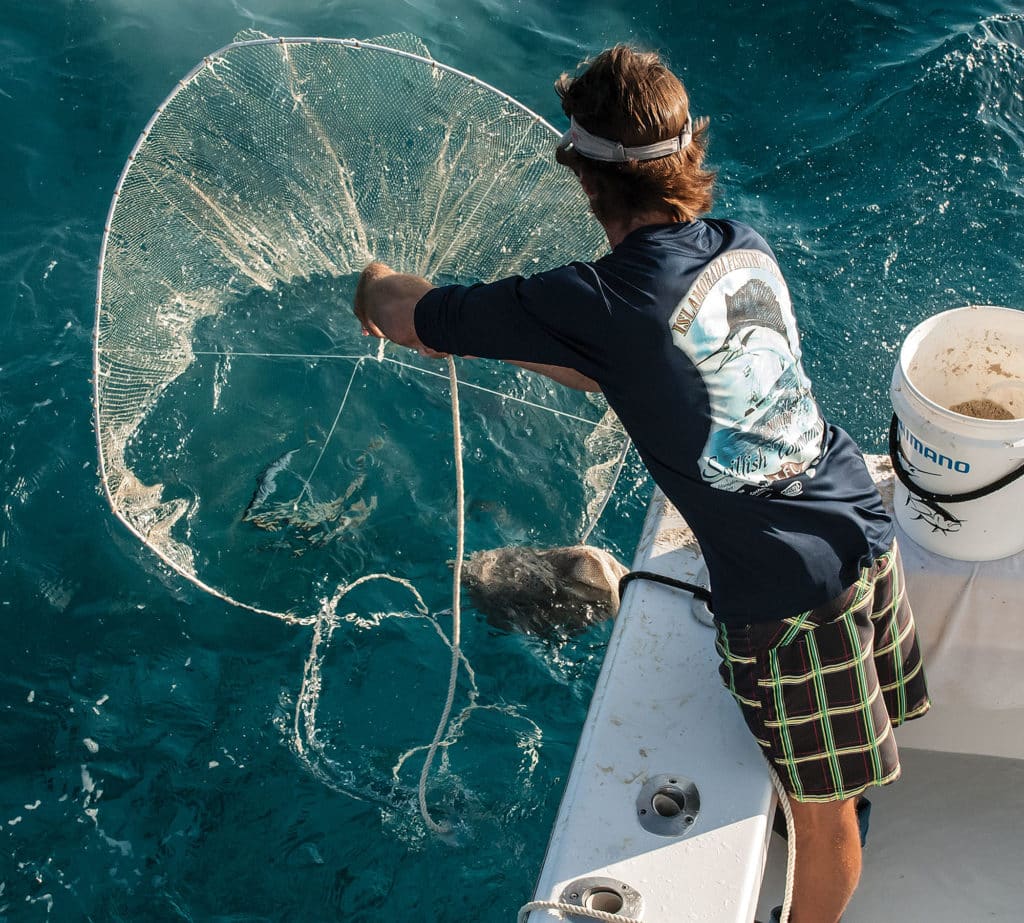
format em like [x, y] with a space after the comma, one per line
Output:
[247, 434]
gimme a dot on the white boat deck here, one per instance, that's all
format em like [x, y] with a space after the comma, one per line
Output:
[660, 711]
[945, 843]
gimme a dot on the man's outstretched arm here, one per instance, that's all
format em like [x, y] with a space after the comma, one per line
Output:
[385, 304]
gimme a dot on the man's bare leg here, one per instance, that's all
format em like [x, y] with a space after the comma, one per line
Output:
[828, 859]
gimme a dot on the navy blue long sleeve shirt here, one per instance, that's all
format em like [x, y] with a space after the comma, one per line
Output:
[690, 333]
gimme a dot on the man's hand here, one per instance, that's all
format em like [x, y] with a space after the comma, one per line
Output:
[385, 304]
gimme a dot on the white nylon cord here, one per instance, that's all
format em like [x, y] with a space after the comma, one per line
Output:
[573, 909]
[442, 724]
[380, 357]
[787, 900]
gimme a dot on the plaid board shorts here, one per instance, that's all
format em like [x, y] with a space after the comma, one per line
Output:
[822, 691]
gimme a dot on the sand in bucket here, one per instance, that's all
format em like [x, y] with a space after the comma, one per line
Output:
[982, 409]
[958, 393]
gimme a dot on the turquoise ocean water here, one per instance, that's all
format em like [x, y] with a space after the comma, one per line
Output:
[148, 768]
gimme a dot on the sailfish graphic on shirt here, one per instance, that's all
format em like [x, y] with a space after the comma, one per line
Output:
[736, 325]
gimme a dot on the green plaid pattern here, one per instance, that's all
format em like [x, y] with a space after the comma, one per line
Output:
[822, 691]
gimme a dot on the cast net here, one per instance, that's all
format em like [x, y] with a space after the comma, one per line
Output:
[247, 433]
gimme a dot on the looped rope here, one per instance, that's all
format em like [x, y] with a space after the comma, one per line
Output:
[460, 504]
[574, 909]
[453, 676]
[787, 810]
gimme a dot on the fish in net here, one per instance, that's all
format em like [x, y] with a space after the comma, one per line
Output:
[247, 434]
[552, 592]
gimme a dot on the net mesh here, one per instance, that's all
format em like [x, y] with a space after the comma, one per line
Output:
[280, 167]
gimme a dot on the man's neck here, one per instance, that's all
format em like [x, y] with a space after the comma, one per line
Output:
[617, 231]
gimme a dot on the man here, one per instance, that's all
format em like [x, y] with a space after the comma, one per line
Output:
[687, 328]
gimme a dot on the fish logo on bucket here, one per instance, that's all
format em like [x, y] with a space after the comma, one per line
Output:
[920, 510]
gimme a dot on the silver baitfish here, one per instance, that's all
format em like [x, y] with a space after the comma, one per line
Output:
[266, 483]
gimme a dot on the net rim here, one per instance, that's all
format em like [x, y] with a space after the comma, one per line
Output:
[207, 62]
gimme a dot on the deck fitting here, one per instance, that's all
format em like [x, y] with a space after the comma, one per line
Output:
[607, 894]
[668, 805]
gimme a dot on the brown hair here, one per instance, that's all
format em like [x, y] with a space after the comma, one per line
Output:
[631, 97]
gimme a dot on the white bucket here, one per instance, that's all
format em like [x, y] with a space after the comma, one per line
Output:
[968, 354]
